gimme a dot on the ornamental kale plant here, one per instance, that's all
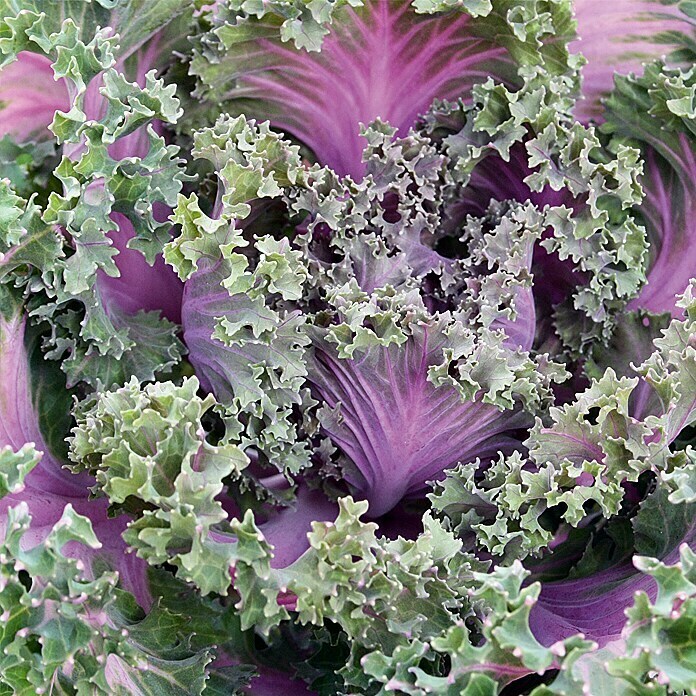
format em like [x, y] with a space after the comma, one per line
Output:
[348, 347]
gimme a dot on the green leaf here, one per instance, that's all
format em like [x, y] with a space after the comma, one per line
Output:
[58, 252]
[584, 455]
[148, 452]
[660, 634]
[30, 24]
[151, 349]
[82, 635]
[14, 466]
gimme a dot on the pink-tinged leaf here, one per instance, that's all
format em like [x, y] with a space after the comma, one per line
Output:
[50, 487]
[19, 422]
[139, 285]
[655, 113]
[29, 97]
[380, 61]
[95, 105]
[620, 36]
[669, 214]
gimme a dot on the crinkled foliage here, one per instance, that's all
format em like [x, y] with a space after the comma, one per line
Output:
[347, 347]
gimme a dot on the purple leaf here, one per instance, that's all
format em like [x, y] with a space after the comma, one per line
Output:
[287, 530]
[594, 604]
[30, 97]
[139, 285]
[669, 214]
[397, 429]
[380, 61]
[271, 682]
[494, 179]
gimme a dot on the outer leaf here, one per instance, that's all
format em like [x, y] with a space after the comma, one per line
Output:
[592, 447]
[656, 113]
[251, 357]
[667, 646]
[135, 21]
[148, 451]
[79, 634]
[47, 486]
[403, 604]
[117, 174]
[636, 611]
[247, 60]
[595, 604]
[30, 97]
[158, 455]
